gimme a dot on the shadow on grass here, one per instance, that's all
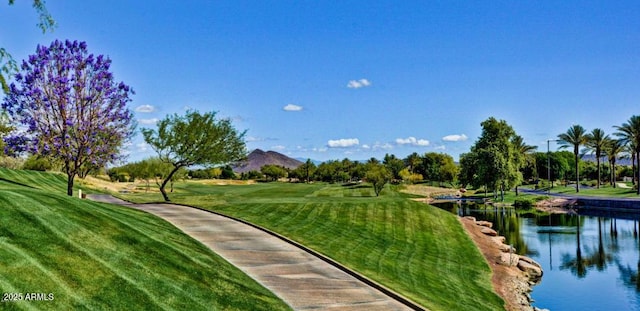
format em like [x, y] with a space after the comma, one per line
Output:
[17, 183]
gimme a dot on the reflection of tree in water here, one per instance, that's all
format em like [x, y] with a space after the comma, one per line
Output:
[555, 220]
[576, 264]
[595, 257]
[630, 277]
[506, 222]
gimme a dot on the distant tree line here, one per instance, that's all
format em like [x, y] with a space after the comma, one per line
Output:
[437, 167]
[431, 166]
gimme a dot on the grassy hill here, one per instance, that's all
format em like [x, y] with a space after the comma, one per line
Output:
[88, 255]
[417, 250]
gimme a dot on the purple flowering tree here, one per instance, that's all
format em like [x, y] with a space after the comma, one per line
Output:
[67, 106]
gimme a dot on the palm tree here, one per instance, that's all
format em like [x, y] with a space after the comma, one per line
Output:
[596, 142]
[629, 134]
[613, 148]
[524, 153]
[574, 137]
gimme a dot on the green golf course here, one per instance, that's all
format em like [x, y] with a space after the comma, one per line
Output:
[415, 249]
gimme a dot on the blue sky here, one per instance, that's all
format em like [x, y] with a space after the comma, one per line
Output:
[358, 79]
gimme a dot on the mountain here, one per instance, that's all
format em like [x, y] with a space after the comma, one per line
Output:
[258, 158]
[592, 158]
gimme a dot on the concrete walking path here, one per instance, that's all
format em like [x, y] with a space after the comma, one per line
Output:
[302, 280]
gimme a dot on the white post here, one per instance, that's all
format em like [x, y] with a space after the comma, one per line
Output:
[80, 193]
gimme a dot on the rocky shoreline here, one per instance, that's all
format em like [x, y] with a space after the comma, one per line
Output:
[513, 275]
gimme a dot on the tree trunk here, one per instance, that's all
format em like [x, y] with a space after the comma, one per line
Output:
[577, 172]
[613, 174]
[70, 178]
[633, 168]
[598, 163]
[638, 166]
[164, 193]
[165, 181]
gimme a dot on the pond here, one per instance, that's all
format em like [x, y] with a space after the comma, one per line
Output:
[590, 262]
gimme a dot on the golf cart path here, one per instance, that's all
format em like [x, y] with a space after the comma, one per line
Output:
[302, 280]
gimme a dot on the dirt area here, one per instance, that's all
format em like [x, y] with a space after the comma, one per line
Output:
[223, 182]
[429, 192]
[508, 281]
[103, 183]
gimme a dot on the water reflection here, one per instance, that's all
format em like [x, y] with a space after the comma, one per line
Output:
[590, 262]
[594, 257]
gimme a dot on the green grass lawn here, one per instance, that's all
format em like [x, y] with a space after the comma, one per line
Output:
[54, 182]
[417, 250]
[604, 191]
[98, 256]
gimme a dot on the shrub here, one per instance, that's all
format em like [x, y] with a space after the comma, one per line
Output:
[542, 184]
[524, 203]
[37, 163]
[528, 202]
[113, 174]
[122, 178]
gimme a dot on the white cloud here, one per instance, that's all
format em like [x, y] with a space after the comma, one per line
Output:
[385, 146]
[461, 137]
[145, 109]
[292, 107]
[148, 121]
[343, 143]
[412, 141]
[278, 147]
[356, 84]
[365, 146]
[441, 147]
[252, 139]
